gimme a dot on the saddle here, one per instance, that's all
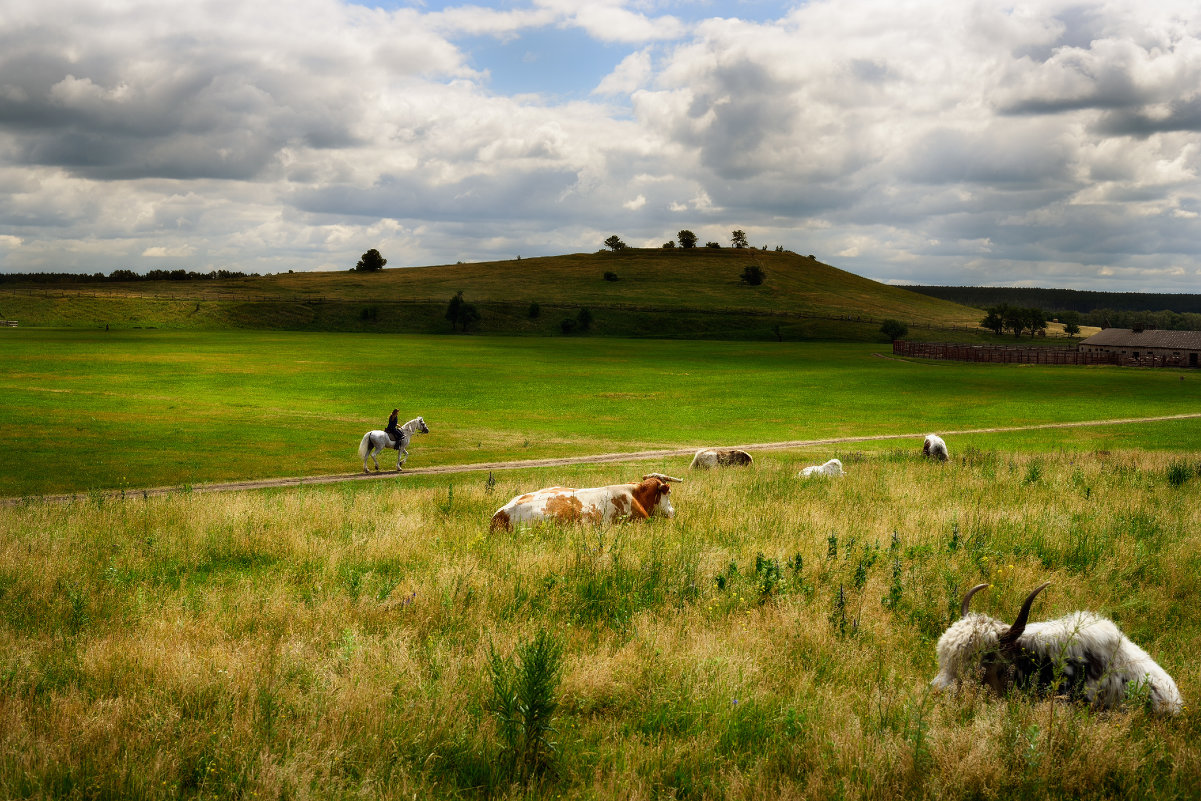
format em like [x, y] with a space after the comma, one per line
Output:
[393, 440]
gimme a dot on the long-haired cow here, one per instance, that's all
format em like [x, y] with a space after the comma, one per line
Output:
[1081, 654]
[635, 501]
[934, 447]
[830, 468]
[707, 458]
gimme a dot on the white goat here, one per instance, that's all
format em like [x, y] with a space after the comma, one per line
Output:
[934, 447]
[830, 468]
[1080, 654]
[707, 458]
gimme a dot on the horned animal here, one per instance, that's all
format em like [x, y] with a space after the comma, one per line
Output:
[707, 458]
[1081, 655]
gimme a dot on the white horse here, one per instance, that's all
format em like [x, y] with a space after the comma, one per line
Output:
[375, 441]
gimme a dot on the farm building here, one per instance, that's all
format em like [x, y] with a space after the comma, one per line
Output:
[1147, 348]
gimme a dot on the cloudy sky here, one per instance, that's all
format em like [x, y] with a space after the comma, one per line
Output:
[977, 142]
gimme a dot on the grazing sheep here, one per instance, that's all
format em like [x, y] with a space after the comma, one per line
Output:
[707, 458]
[633, 501]
[934, 447]
[830, 468]
[1080, 654]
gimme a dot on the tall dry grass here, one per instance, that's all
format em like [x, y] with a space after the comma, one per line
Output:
[774, 640]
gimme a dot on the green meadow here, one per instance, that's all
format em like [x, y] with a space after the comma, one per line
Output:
[89, 410]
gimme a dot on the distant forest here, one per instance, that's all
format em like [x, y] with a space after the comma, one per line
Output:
[118, 276]
[1174, 312]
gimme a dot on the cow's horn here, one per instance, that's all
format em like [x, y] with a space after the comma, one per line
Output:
[662, 477]
[1019, 625]
[967, 599]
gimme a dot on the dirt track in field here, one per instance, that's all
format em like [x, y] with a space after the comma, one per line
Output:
[603, 458]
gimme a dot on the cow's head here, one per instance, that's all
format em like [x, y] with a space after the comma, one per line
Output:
[656, 494]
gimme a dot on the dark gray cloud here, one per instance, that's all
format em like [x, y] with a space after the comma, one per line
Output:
[1181, 115]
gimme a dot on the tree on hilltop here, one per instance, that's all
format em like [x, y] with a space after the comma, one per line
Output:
[687, 238]
[371, 262]
[738, 239]
[614, 243]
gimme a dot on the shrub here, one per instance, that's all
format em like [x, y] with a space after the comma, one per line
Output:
[610, 276]
[1178, 473]
[752, 275]
[524, 700]
[567, 325]
[461, 313]
[894, 329]
[713, 244]
[534, 311]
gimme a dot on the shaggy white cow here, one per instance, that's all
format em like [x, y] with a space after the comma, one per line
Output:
[830, 468]
[1082, 655]
[708, 458]
[934, 447]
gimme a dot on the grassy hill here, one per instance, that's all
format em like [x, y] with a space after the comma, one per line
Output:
[682, 293]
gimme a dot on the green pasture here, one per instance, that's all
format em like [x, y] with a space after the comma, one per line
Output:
[90, 409]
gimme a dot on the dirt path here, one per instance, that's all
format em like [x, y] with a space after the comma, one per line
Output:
[602, 458]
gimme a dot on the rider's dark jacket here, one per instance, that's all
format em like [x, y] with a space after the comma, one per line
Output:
[392, 429]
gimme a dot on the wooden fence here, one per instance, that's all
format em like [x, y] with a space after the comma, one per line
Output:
[1004, 354]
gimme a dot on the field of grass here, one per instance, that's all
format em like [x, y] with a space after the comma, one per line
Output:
[774, 640]
[86, 410]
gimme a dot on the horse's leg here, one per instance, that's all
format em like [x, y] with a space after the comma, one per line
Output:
[401, 456]
[374, 450]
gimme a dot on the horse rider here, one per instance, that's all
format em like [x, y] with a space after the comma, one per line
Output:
[393, 430]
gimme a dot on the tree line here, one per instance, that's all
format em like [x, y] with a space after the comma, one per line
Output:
[1086, 302]
[120, 276]
[687, 240]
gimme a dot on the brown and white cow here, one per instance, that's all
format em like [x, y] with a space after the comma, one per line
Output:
[592, 505]
[707, 458]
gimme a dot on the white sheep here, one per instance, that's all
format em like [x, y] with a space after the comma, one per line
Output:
[934, 447]
[830, 468]
[1080, 654]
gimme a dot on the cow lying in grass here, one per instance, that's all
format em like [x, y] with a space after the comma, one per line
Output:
[707, 458]
[1081, 655]
[636, 501]
[830, 468]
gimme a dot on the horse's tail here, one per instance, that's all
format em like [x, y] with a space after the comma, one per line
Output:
[365, 446]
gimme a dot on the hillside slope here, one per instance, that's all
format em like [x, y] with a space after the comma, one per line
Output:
[690, 293]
